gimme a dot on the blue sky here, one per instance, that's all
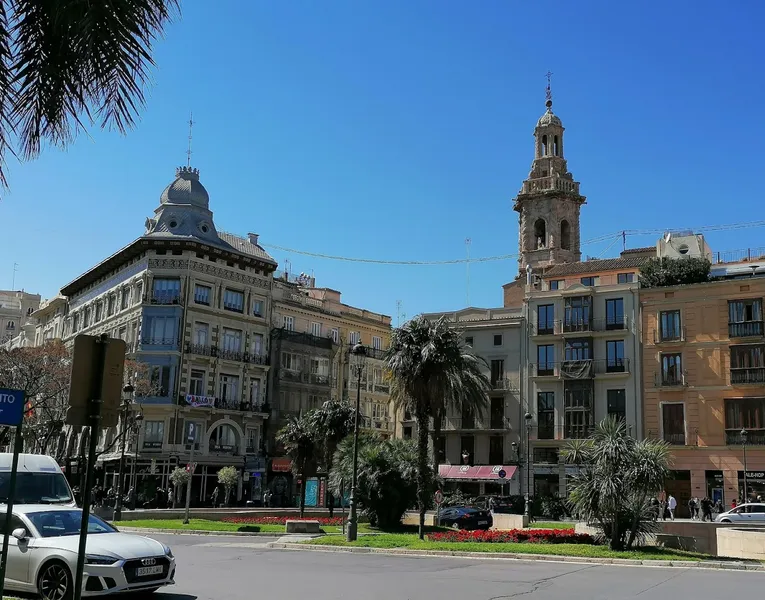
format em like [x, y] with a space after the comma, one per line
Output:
[394, 130]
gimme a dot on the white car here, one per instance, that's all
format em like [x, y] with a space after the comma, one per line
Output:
[42, 555]
[751, 512]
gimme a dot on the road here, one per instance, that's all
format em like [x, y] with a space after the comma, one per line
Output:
[238, 568]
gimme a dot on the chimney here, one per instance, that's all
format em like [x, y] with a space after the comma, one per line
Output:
[253, 237]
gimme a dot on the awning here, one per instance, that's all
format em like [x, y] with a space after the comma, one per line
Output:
[482, 473]
[281, 465]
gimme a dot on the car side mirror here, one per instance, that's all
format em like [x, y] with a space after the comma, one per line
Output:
[20, 534]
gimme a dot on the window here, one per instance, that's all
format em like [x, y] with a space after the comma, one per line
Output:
[125, 299]
[335, 335]
[99, 311]
[616, 401]
[578, 314]
[745, 413]
[540, 237]
[546, 360]
[565, 228]
[498, 339]
[673, 423]
[253, 444]
[468, 449]
[376, 342]
[615, 362]
[290, 361]
[745, 318]
[615, 313]
[233, 301]
[589, 281]
[197, 383]
[257, 345]
[223, 439]
[669, 325]
[747, 364]
[159, 376]
[288, 323]
[122, 333]
[10, 325]
[578, 349]
[255, 393]
[497, 372]
[497, 413]
[229, 389]
[545, 456]
[257, 307]
[546, 319]
[161, 331]
[85, 318]
[232, 340]
[407, 433]
[672, 369]
[625, 278]
[557, 284]
[577, 400]
[469, 341]
[441, 449]
[468, 418]
[496, 449]
[201, 334]
[110, 304]
[546, 415]
[316, 329]
[202, 294]
[354, 337]
[166, 291]
[76, 322]
[154, 434]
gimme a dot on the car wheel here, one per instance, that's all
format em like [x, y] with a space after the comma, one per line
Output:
[55, 582]
[725, 521]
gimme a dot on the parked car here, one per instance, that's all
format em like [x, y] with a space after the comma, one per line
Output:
[42, 555]
[466, 517]
[752, 512]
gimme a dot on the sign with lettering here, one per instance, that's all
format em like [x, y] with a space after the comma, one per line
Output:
[11, 407]
[750, 474]
[199, 401]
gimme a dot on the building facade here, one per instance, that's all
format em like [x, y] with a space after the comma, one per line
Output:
[49, 320]
[16, 308]
[704, 382]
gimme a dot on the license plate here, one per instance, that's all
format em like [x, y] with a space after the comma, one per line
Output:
[483, 522]
[144, 571]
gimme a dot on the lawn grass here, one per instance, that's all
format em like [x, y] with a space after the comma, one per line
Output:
[199, 525]
[411, 541]
[551, 525]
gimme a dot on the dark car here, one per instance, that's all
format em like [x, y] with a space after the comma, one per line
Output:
[466, 517]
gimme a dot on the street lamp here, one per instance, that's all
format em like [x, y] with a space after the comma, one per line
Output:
[744, 433]
[527, 507]
[358, 360]
[135, 429]
[126, 403]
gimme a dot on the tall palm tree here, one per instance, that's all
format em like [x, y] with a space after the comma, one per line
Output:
[431, 368]
[65, 64]
[298, 441]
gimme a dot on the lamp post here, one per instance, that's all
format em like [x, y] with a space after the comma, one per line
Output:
[527, 507]
[744, 433]
[358, 359]
[128, 391]
[136, 427]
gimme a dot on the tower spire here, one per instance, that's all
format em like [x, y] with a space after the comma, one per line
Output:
[548, 91]
[191, 129]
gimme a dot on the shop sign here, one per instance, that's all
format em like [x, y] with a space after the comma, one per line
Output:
[755, 475]
[281, 465]
[200, 401]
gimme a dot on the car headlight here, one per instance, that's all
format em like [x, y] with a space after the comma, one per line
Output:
[168, 552]
[99, 559]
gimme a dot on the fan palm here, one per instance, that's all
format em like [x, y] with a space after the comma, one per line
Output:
[298, 441]
[431, 368]
[67, 63]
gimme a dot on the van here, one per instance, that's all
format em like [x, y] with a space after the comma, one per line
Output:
[39, 481]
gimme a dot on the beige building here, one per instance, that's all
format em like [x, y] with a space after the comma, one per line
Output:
[49, 320]
[16, 308]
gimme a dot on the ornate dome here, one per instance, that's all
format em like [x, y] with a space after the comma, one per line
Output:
[549, 119]
[186, 189]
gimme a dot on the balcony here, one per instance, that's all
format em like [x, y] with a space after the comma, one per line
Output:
[305, 339]
[375, 423]
[577, 325]
[746, 329]
[669, 379]
[166, 343]
[163, 298]
[674, 439]
[371, 352]
[235, 355]
[501, 384]
[581, 369]
[480, 424]
[382, 388]
[754, 437]
[669, 336]
[202, 350]
[739, 376]
[559, 432]
[319, 379]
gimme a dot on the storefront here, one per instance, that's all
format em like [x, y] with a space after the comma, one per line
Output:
[715, 485]
[480, 480]
[755, 485]
[280, 483]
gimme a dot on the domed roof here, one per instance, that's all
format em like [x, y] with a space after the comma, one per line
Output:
[549, 119]
[186, 189]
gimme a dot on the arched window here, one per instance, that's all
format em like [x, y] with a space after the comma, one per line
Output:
[223, 439]
[544, 145]
[540, 234]
[565, 235]
[11, 325]
[556, 147]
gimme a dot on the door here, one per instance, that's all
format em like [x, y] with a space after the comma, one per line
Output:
[18, 554]
[756, 513]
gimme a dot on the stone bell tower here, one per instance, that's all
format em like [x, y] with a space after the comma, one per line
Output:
[549, 201]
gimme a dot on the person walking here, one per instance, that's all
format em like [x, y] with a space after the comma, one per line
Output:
[692, 508]
[671, 505]
[706, 509]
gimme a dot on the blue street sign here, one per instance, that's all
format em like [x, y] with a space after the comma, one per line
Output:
[501, 474]
[11, 407]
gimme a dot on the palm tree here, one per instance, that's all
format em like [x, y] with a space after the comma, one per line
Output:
[617, 477]
[431, 368]
[298, 441]
[66, 64]
[331, 424]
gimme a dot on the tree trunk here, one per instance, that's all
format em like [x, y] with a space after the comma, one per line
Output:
[330, 497]
[435, 435]
[635, 523]
[423, 480]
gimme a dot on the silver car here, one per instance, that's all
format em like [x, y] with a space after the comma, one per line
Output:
[42, 555]
[752, 512]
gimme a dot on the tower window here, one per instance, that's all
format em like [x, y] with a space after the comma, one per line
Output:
[565, 235]
[540, 234]
[544, 145]
[556, 147]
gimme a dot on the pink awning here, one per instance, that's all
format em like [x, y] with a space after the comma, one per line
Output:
[480, 472]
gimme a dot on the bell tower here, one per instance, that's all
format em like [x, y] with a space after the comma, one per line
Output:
[549, 201]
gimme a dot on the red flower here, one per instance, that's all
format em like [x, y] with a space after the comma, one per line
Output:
[538, 536]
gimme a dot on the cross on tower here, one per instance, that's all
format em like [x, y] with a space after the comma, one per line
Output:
[191, 128]
[548, 92]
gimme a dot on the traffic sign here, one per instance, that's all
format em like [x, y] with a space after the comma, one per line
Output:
[439, 497]
[501, 474]
[11, 407]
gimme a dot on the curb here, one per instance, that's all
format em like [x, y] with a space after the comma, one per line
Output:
[716, 565]
[147, 530]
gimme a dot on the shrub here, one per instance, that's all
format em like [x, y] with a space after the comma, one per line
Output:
[328, 521]
[533, 536]
[660, 272]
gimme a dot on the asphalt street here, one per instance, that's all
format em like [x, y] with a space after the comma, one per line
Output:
[238, 568]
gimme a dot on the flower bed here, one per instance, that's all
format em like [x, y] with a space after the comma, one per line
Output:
[539, 536]
[328, 521]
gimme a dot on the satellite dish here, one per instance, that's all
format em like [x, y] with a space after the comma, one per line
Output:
[667, 237]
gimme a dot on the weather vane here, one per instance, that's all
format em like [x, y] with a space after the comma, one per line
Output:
[191, 128]
[548, 92]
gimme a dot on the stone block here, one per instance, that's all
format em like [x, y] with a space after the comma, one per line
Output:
[303, 527]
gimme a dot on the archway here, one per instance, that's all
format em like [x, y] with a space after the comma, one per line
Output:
[565, 235]
[540, 233]
[224, 436]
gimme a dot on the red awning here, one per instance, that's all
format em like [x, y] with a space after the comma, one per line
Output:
[468, 472]
[281, 465]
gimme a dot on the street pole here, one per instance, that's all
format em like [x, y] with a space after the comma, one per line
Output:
[128, 389]
[743, 437]
[188, 483]
[359, 353]
[527, 506]
[18, 444]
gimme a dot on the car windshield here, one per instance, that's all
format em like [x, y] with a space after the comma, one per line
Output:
[36, 488]
[55, 523]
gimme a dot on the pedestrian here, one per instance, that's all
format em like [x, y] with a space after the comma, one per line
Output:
[692, 508]
[733, 503]
[671, 505]
[656, 505]
[170, 498]
[706, 509]
[215, 497]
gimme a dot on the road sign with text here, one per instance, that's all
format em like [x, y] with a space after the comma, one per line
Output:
[11, 407]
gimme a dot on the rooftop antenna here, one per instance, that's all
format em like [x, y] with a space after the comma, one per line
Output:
[468, 241]
[624, 240]
[191, 129]
[548, 91]
[15, 268]
[399, 313]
